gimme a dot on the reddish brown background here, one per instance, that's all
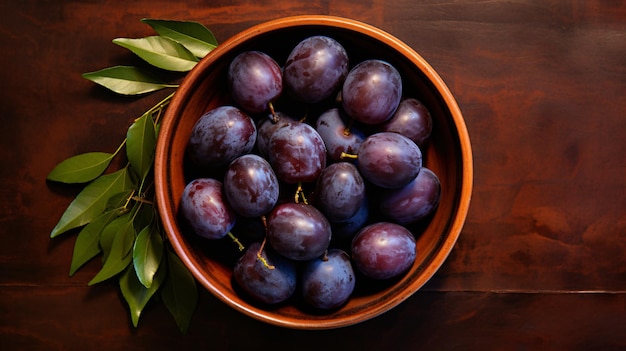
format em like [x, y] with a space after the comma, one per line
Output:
[540, 264]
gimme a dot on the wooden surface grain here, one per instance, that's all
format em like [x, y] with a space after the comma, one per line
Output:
[540, 264]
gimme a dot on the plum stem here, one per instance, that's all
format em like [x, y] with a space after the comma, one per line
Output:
[300, 194]
[303, 119]
[273, 113]
[236, 241]
[347, 131]
[261, 258]
[325, 256]
[347, 155]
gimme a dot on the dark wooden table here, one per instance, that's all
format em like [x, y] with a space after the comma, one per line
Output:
[540, 264]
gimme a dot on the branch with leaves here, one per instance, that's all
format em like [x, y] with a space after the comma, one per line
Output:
[115, 213]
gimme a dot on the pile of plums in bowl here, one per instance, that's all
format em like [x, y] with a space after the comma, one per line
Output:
[313, 172]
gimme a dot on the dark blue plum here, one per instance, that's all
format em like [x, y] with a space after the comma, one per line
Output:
[220, 136]
[272, 280]
[298, 231]
[250, 186]
[414, 201]
[204, 207]
[255, 80]
[340, 191]
[383, 250]
[344, 231]
[413, 120]
[297, 153]
[389, 160]
[338, 135]
[328, 281]
[315, 69]
[372, 91]
[266, 128]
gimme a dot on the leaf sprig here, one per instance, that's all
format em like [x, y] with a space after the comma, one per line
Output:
[115, 213]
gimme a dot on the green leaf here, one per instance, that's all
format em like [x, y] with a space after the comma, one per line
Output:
[192, 35]
[92, 201]
[126, 80]
[160, 52]
[81, 168]
[119, 256]
[108, 235]
[87, 244]
[118, 200]
[136, 295]
[144, 216]
[141, 144]
[147, 254]
[179, 292]
[90, 239]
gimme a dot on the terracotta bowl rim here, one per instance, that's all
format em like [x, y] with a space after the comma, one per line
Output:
[162, 182]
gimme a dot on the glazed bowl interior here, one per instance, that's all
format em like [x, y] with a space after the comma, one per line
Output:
[448, 155]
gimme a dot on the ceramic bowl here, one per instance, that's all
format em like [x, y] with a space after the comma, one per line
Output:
[448, 155]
